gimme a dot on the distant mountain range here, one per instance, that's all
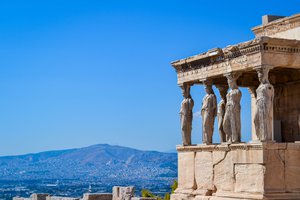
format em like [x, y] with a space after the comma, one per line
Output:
[97, 162]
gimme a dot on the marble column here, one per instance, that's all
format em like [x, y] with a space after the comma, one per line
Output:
[221, 111]
[232, 117]
[208, 112]
[263, 118]
[186, 115]
[252, 91]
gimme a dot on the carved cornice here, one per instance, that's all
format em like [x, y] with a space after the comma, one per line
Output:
[239, 146]
[195, 148]
[221, 147]
[201, 65]
[246, 147]
[191, 148]
[277, 26]
[281, 49]
[188, 65]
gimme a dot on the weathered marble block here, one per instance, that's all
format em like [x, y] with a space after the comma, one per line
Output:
[204, 172]
[186, 172]
[122, 193]
[39, 196]
[97, 196]
[61, 198]
[239, 171]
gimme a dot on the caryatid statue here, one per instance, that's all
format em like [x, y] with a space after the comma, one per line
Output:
[186, 115]
[208, 113]
[263, 118]
[232, 117]
[221, 111]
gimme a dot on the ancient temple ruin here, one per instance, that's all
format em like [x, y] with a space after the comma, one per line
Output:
[268, 166]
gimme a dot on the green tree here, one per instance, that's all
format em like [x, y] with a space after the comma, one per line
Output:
[174, 186]
[167, 196]
[147, 193]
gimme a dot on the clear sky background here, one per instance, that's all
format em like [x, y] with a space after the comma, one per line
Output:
[76, 73]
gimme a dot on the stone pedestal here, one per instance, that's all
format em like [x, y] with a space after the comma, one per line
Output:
[94, 196]
[239, 171]
[122, 193]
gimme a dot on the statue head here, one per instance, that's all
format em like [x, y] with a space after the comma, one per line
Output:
[262, 74]
[208, 86]
[231, 80]
[186, 90]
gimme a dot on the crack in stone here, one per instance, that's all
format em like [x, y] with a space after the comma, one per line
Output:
[213, 174]
[278, 152]
[226, 152]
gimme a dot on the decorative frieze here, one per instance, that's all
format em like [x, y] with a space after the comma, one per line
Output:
[239, 57]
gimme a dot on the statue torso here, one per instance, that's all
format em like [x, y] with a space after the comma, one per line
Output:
[264, 92]
[187, 106]
[209, 101]
[233, 98]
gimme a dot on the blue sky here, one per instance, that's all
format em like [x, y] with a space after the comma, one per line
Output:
[76, 73]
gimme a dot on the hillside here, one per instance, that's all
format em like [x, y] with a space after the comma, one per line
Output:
[97, 162]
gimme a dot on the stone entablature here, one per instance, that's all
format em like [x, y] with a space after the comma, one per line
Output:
[242, 57]
[239, 171]
[287, 27]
